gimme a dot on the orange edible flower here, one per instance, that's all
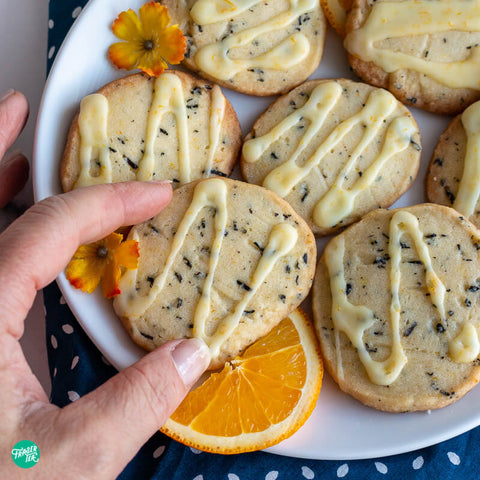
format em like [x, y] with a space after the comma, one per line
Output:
[149, 42]
[102, 260]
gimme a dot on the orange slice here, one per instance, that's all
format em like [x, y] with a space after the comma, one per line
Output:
[259, 398]
[336, 13]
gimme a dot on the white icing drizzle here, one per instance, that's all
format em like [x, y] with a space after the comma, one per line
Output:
[338, 202]
[354, 320]
[209, 193]
[401, 222]
[465, 347]
[283, 178]
[217, 112]
[167, 98]
[416, 18]
[206, 12]
[469, 188]
[214, 58]
[281, 240]
[92, 123]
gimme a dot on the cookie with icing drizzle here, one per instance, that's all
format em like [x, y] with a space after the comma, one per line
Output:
[252, 46]
[397, 308]
[334, 149]
[176, 127]
[225, 261]
[426, 52]
[336, 13]
[453, 176]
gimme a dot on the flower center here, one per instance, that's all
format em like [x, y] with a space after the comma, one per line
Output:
[148, 45]
[102, 251]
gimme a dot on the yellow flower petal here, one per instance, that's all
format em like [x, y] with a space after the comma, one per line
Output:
[127, 254]
[151, 64]
[125, 55]
[85, 269]
[110, 279]
[149, 42]
[112, 242]
[153, 17]
[171, 45]
[127, 26]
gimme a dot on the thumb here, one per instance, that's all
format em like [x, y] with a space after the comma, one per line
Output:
[124, 412]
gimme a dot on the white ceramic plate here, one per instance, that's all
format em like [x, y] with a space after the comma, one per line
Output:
[340, 428]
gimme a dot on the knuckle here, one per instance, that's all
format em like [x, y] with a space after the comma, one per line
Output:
[160, 396]
[56, 212]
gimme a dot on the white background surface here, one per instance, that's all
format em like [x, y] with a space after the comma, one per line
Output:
[23, 54]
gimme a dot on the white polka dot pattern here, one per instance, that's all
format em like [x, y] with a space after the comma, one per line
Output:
[68, 329]
[73, 396]
[273, 475]
[75, 360]
[454, 458]
[418, 463]
[76, 12]
[342, 470]
[381, 467]
[158, 452]
[308, 473]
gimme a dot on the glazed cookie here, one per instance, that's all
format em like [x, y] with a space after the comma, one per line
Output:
[225, 261]
[334, 149]
[425, 52]
[396, 304]
[336, 13]
[255, 47]
[175, 127]
[453, 177]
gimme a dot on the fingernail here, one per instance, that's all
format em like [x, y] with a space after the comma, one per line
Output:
[6, 94]
[191, 357]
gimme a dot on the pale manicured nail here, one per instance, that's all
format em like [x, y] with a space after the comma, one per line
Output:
[191, 357]
[6, 94]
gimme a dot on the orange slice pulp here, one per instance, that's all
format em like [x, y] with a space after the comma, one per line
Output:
[259, 398]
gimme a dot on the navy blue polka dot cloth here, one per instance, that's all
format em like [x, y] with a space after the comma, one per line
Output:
[77, 367]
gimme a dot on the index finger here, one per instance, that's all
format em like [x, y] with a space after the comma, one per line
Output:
[38, 245]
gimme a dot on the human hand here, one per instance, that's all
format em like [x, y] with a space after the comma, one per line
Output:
[123, 413]
[13, 170]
